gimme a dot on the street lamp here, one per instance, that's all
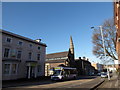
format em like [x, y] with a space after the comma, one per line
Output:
[103, 42]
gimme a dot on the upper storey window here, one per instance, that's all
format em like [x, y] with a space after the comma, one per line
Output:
[29, 55]
[6, 52]
[20, 43]
[30, 45]
[38, 48]
[8, 39]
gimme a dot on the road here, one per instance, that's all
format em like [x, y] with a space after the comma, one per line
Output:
[85, 82]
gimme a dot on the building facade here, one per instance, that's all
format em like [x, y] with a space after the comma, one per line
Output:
[60, 59]
[117, 24]
[54, 60]
[22, 57]
[84, 67]
[98, 66]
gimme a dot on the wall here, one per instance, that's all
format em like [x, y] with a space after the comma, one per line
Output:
[21, 73]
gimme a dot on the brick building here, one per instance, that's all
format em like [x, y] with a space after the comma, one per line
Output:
[117, 24]
[84, 67]
[56, 59]
[61, 58]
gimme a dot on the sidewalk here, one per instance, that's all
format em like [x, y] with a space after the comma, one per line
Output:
[113, 83]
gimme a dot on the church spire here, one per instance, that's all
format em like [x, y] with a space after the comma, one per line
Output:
[71, 61]
[71, 45]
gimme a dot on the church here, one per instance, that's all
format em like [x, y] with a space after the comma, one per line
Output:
[65, 58]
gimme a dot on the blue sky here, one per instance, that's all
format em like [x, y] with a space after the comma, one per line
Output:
[55, 22]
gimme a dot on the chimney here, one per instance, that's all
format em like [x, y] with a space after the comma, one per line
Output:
[79, 58]
[38, 40]
[84, 58]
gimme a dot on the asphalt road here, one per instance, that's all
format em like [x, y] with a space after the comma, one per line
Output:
[81, 82]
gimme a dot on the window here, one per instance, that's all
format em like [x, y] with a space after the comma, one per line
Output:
[30, 45]
[19, 53]
[38, 56]
[6, 52]
[13, 53]
[20, 43]
[8, 39]
[6, 68]
[38, 48]
[30, 55]
[38, 68]
[14, 70]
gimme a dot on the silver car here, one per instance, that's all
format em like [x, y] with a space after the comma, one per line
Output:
[104, 75]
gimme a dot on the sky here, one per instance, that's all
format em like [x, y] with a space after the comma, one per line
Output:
[55, 22]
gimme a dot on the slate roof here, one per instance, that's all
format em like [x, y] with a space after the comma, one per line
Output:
[56, 61]
[22, 37]
[57, 55]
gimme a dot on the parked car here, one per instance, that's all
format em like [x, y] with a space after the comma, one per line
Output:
[98, 74]
[104, 75]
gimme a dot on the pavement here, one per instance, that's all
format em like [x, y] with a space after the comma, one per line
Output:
[113, 83]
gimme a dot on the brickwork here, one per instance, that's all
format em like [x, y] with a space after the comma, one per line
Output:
[117, 24]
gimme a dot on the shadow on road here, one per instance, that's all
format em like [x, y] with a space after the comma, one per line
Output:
[37, 81]
[27, 82]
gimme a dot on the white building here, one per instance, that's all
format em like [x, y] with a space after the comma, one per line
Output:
[98, 66]
[22, 57]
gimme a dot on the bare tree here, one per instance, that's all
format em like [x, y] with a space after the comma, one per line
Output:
[109, 33]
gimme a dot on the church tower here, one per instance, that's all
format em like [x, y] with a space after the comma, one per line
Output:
[71, 60]
[71, 45]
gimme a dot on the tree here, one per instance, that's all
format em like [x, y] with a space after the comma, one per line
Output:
[109, 34]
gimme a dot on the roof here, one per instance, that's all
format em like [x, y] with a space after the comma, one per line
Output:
[57, 55]
[85, 61]
[56, 61]
[21, 37]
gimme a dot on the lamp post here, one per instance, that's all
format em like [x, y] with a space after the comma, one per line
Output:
[103, 42]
